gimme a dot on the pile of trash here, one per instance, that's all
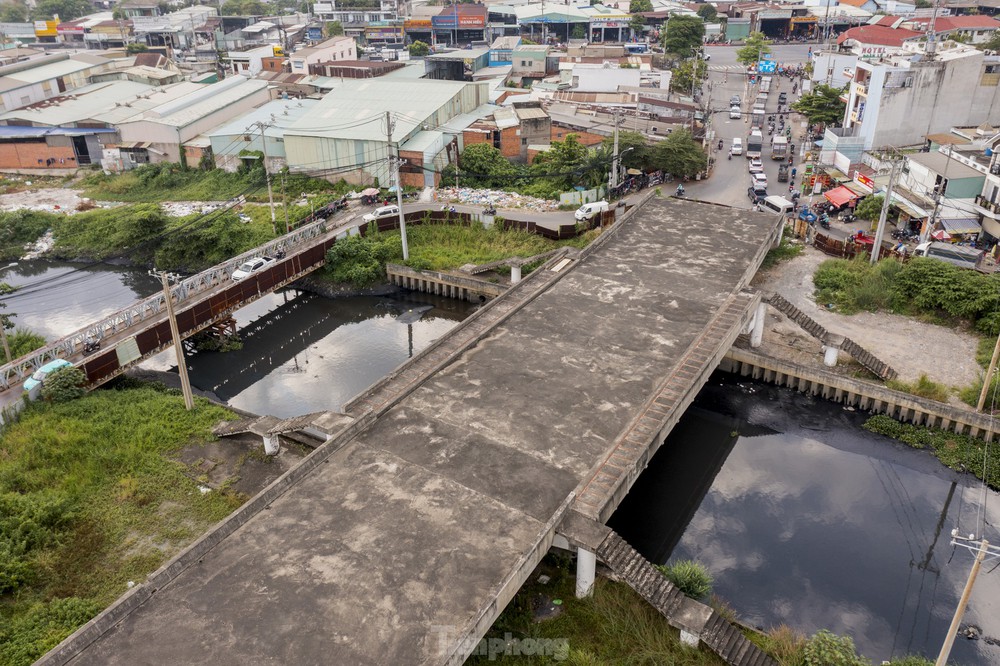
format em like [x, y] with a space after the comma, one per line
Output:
[50, 200]
[498, 198]
[184, 208]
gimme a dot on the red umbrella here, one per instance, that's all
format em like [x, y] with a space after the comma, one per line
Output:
[941, 235]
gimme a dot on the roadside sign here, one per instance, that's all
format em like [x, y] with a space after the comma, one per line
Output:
[766, 66]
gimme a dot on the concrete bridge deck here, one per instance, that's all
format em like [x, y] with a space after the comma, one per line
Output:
[406, 535]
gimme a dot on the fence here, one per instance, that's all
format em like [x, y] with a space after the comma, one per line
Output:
[577, 198]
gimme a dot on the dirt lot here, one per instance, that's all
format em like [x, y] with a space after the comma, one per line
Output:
[912, 347]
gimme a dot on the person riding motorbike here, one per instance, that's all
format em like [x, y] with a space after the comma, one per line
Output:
[680, 190]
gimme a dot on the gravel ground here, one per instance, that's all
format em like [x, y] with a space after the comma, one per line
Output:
[913, 348]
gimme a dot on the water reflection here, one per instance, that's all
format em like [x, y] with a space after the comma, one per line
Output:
[59, 298]
[305, 353]
[815, 523]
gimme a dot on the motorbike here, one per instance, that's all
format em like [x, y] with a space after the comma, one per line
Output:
[824, 221]
[730, 156]
[721, 144]
[90, 345]
[847, 219]
[490, 210]
[680, 190]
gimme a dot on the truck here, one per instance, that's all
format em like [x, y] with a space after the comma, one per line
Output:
[755, 144]
[957, 255]
[779, 148]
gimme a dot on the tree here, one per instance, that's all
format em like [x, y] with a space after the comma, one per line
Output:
[13, 12]
[253, 8]
[992, 44]
[66, 9]
[562, 162]
[136, 47]
[64, 384]
[635, 149]
[482, 165]
[755, 46]
[578, 32]
[231, 8]
[679, 154]
[691, 71]
[419, 48]
[637, 23]
[684, 35]
[823, 105]
[923, 4]
[639, 6]
[333, 29]
[869, 208]
[708, 13]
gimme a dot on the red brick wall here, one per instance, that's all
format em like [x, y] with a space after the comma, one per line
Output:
[27, 155]
[273, 64]
[470, 137]
[586, 138]
[510, 142]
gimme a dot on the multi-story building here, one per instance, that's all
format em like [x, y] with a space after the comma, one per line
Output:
[899, 99]
[334, 49]
[354, 15]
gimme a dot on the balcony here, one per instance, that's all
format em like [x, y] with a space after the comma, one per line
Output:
[983, 202]
[860, 90]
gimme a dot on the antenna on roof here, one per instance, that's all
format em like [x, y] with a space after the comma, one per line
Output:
[931, 39]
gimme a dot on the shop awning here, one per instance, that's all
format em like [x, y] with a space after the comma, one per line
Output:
[961, 226]
[859, 190]
[839, 196]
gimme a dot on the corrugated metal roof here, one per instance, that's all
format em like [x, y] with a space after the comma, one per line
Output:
[358, 108]
[17, 131]
[282, 112]
[531, 113]
[203, 103]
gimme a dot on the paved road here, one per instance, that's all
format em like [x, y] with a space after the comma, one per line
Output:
[730, 179]
[785, 53]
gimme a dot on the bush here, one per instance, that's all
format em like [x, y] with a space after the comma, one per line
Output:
[102, 233]
[20, 227]
[924, 387]
[64, 384]
[361, 260]
[22, 341]
[689, 576]
[29, 522]
[44, 626]
[786, 250]
[827, 649]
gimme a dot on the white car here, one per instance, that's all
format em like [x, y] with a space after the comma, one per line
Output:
[756, 166]
[735, 113]
[381, 212]
[252, 266]
[758, 179]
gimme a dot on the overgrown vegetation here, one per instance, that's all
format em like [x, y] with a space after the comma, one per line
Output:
[64, 384]
[923, 387]
[19, 228]
[922, 287]
[152, 183]
[21, 342]
[690, 577]
[360, 260]
[959, 452]
[785, 251]
[89, 500]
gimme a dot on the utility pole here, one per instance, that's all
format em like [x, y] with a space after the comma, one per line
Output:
[178, 347]
[284, 202]
[982, 550]
[3, 336]
[939, 193]
[613, 180]
[394, 165]
[987, 380]
[883, 215]
[270, 194]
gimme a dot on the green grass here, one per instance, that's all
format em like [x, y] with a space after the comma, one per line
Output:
[614, 626]
[170, 182]
[923, 387]
[18, 228]
[94, 501]
[21, 341]
[436, 246]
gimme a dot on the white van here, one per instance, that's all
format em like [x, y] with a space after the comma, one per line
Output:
[589, 210]
[737, 148]
[777, 204]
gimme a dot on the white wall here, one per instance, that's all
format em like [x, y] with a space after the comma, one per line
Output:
[829, 66]
[600, 79]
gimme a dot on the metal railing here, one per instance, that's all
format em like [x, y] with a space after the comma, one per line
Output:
[150, 307]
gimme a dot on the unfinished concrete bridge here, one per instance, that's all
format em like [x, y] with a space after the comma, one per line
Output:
[402, 538]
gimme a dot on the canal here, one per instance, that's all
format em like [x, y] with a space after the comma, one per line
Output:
[802, 517]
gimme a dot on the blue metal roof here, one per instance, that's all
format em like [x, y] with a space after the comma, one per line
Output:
[19, 132]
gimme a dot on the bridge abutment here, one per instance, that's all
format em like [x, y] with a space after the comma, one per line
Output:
[586, 572]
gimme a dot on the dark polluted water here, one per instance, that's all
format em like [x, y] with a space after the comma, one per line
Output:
[803, 518]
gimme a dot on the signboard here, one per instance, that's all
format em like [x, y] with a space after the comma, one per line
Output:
[607, 23]
[766, 66]
[451, 21]
[864, 180]
[45, 29]
[69, 29]
[871, 52]
[418, 24]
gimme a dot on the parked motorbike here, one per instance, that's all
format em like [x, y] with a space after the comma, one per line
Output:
[490, 210]
[90, 345]
[680, 190]
[847, 219]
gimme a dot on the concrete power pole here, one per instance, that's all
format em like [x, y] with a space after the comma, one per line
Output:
[394, 164]
[880, 230]
[261, 125]
[178, 347]
[613, 180]
[982, 550]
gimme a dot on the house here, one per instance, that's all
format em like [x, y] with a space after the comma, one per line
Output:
[245, 133]
[530, 61]
[332, 50]
[502, 50]
[354, 15]
[175, 30]
[32, 148]
[456, 65]
[974, 28]
[32, 81]
[899, 99]
[460, 24]
[512, 130]
[249, 62]
[345, 132]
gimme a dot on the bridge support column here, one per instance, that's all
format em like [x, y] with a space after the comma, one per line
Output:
[515, 274]
[830, 354]
[689, 639]
[757, 333]
[586, 571]
[271, 445]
